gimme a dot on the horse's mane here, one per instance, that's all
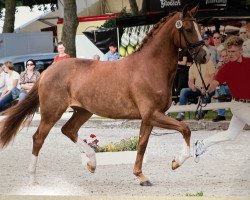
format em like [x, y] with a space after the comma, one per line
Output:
[154, 30]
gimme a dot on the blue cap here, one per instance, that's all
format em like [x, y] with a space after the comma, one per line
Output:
[205, 36]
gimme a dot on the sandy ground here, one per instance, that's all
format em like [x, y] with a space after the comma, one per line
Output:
[223, 171]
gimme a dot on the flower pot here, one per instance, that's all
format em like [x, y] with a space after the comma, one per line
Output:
[113, 158]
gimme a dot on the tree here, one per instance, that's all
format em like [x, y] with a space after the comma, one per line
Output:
[10, 9]
[70, 23]
[134, 7]
[9, 20]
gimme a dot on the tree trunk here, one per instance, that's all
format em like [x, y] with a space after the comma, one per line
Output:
[9, 20]
[143, 10]
[134, 7]
[70, 23]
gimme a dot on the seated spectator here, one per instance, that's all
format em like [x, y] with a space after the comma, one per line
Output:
[62, 55]
[2, 79]
[246, 45]
[217, 39]
[222, 93]
[28, 78]
[196, 86]
[112, 54]
[11, 89]
[212, 50]
[96, 57]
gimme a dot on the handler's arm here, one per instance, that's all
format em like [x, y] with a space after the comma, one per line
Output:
[213, 85]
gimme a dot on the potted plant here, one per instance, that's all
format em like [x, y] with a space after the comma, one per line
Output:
[122, 152]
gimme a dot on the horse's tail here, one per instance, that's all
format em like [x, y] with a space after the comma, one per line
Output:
[15, 116]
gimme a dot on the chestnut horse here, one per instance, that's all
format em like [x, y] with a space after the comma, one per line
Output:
[136, 87]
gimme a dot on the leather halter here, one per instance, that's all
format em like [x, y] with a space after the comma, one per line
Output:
[190, 45]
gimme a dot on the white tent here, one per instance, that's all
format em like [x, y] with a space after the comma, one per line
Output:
[34, 20]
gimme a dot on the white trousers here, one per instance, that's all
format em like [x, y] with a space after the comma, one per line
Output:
[241, 117]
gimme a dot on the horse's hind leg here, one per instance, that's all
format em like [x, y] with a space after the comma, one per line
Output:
[38, 140]
[160, 120]
[70, 129]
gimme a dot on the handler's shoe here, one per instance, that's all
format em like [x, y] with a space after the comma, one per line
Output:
[199, 149]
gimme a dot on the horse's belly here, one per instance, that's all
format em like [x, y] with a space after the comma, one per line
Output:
[117, 107]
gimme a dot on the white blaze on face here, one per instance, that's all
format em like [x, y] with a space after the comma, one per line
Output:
[200, 38]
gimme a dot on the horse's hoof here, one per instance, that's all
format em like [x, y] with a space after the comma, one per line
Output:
[146, 183]
[175, 165]
[91, 168]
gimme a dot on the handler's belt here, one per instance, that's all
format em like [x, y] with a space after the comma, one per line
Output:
[242, 100]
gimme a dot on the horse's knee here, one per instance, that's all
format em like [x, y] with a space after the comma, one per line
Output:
[185, 130]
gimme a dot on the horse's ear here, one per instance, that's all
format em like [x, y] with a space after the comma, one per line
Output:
[184, 11]
[194, 10]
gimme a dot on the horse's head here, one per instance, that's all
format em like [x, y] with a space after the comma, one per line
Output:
[188, 36]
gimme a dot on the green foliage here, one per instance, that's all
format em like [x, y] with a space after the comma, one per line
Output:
[209, 116]
[110, 23]
[198, 194]
[130, 144]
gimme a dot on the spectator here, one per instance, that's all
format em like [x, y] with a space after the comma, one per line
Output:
[28, 78]
[181, 79]
[112, 54]
[212, 50]
[236, 74]
[62, 55]
[11, 89]
[96, 57]
[202, 29]
[196, 86]
[2, 79]
[246, 45]
[217, 39]
[223, 92]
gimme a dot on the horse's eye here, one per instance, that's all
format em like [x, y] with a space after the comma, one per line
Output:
[189, 30]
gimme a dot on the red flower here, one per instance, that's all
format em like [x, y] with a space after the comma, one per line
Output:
[95, 141]
[92, 135]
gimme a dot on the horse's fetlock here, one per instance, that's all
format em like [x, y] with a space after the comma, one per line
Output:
[137, 172]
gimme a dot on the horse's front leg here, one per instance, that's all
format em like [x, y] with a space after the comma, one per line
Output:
[145, 131]
[163, 121]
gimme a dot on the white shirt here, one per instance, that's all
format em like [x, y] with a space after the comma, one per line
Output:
[2, 81]
[246, 48]
[10, 79]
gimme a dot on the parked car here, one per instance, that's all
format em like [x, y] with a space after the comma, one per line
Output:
[43, 60]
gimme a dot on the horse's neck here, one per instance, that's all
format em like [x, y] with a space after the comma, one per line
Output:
[161, 48]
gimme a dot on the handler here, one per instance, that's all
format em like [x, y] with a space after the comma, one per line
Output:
[235, 74]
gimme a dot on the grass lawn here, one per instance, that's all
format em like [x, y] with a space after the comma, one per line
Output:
[211, 114]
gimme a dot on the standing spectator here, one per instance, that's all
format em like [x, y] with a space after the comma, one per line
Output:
[195, 85]
[62, 55]
[223, 92]
[246, 44]
[96, 57]
[112, 54]
[236, 74]
[11, 89]
[28, 78]
[2, 79]
[181, 78]
[212, 50]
